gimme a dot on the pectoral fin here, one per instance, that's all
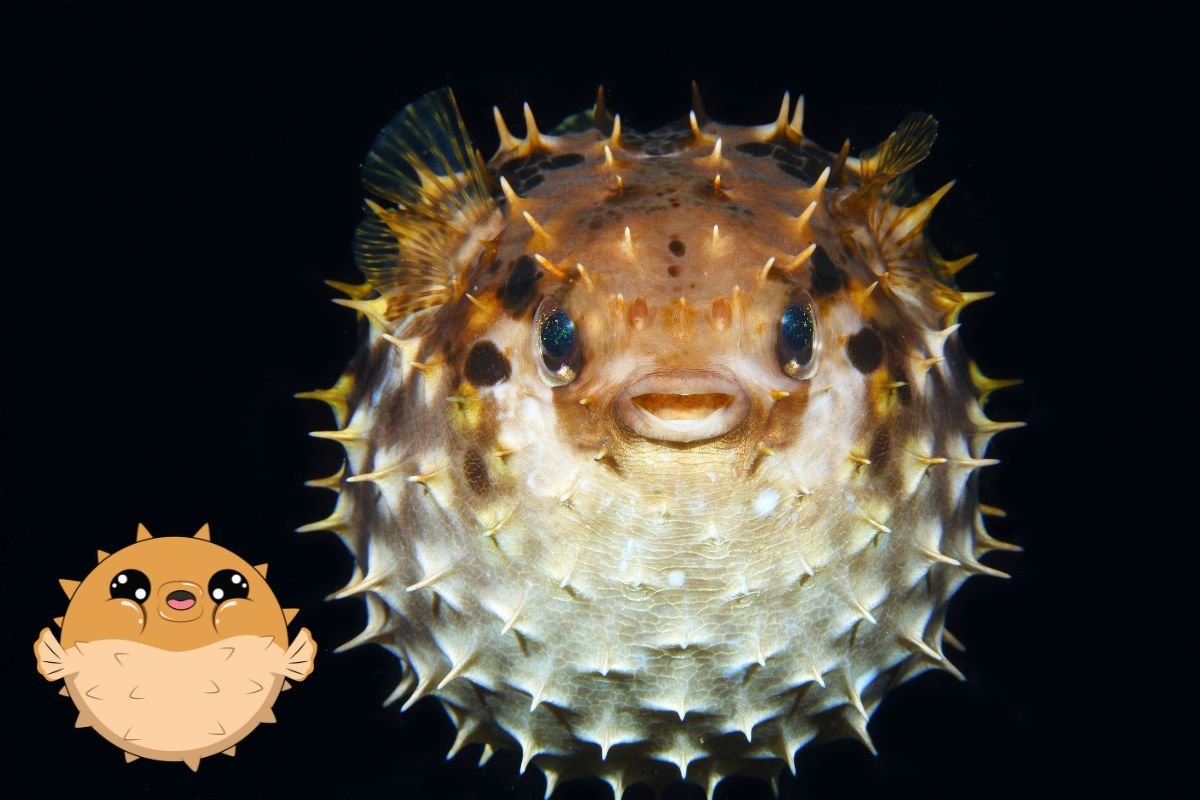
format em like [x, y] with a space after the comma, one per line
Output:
[298, 662]
[52, 659]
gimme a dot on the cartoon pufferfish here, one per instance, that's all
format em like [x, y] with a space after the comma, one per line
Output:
[174, 648]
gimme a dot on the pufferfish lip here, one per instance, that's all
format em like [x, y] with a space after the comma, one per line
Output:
[682, 406]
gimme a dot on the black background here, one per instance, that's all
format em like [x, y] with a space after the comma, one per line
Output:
[192, 178]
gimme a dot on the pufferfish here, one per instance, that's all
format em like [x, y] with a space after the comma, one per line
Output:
[174, 648]
[661, 449]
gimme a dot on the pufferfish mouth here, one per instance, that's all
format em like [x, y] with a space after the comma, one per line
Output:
[684, 406]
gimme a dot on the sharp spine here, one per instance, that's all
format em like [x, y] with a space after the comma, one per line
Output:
[797, 123]
[509, 192]
[430, 579]
[535, 225]
[507, 140]
[533, 137]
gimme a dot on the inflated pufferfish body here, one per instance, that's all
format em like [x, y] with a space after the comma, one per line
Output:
[173, 648]
[661, 449]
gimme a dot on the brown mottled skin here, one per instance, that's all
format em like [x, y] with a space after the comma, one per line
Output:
[681, 547]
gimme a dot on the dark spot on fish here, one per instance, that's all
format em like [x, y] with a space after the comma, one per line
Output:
[826, 278]
[673, 270]
[675, 202]
[565, 160]
[865, 350]
[788, 157]
[486, 365]
[794, 171]
[524, 185]
[476, 473]
[806, 169]
[677, 247]
[755, 149]
[520, 287]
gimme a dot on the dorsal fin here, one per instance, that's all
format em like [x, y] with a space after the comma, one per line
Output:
[882, 170]
[907, 146]
[432, 192]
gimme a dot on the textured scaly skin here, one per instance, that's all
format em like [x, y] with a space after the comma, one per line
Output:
[606, 602]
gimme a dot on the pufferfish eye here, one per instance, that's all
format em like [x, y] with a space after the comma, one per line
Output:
[799, 340]
[556, 344]
[228, 584]
[130, 584]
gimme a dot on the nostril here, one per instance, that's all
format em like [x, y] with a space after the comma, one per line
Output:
[682, 406]
[181, 600]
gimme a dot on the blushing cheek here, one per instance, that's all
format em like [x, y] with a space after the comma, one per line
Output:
[245, 617]
[118, 619]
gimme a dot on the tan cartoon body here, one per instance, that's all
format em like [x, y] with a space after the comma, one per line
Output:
[174, 648]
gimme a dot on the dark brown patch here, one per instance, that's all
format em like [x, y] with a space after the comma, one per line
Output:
[523, 185]
[520, 287]
[677, 247]
[476, 472]
[795, 172]
[486, 365]
[865, 350]
[673, 270]
[826, 278]
[755, 149]
[565, 160]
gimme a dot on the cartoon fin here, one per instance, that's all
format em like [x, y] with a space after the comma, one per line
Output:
[63, 692]
[300, 653]
[58, 621]
[289, 614]
[69, 586]
[231, 751]
[193, 762]
[261, 569]
[435, 192]
[203, 533]
[100, 556]
[51, 657]
[142, 533]
[130, 758]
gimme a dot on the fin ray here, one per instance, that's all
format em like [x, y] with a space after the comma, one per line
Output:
[907, 146]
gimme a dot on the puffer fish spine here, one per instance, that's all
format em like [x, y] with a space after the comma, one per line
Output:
[731, 513]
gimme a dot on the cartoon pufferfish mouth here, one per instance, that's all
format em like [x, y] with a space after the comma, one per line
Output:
[682, 406]
[178, 601]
